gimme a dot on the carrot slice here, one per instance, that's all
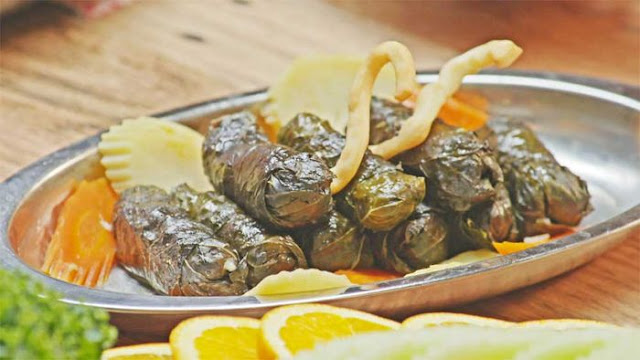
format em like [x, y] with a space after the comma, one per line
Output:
[508, 247]
[82, 247]
[271, 129]
[457, 113]
[472, 99]
[465, 110]
[366, 276]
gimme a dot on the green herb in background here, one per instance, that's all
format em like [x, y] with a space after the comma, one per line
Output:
[35, 325]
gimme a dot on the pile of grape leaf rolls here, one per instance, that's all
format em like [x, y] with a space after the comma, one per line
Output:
[272, 209]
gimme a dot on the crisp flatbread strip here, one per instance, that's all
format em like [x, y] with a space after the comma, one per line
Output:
[414, 131]
[357, 137]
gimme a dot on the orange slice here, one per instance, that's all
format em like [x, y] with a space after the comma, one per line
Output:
[287, 330]
[159, 351]
[443, 319]
[215, 337]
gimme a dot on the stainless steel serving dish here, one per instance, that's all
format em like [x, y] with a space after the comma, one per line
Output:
[592, 126]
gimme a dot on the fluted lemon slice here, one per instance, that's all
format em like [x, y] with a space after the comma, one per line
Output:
[464, 258]
[320, 85]
[149, 151]
[300, 281]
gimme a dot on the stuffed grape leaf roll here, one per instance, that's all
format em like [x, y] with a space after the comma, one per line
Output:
[460, 169]
[547, 197]
[386, 118]
[158, 243]
[262, 252]
[338, 244]
[489, 222]
[275, 184]
[379, 197]
[418, 242]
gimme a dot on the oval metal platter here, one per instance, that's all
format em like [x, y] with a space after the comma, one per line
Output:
[592, 126]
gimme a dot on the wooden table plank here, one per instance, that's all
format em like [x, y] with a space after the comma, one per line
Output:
[606, 289]
[158, 55]
[593, 38]
[63, 78]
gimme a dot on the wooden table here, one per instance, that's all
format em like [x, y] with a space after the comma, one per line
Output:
[64, 78]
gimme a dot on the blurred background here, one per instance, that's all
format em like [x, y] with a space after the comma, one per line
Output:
[70, 68]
